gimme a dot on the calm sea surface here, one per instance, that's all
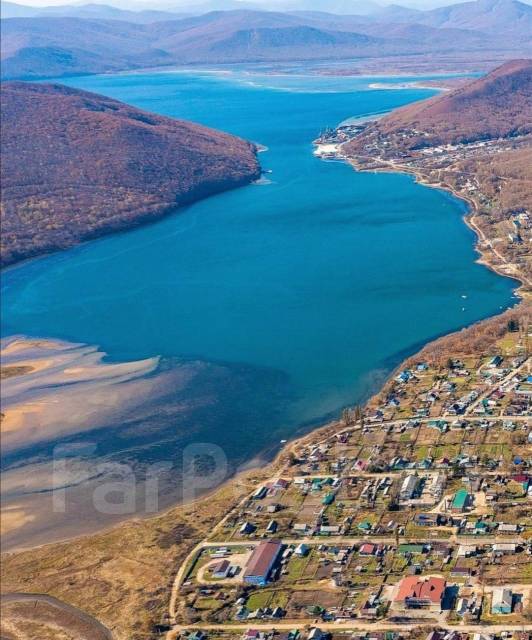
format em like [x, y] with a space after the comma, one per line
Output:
[310, 288]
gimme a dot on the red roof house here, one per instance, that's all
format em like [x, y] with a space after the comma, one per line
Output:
[367, 549]
[417, 593]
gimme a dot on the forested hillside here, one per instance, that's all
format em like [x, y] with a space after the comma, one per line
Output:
[77, 165]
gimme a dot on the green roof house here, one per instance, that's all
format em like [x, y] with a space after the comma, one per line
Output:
[405, 548]
[460, 501]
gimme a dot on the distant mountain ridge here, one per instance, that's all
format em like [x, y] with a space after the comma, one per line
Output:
[271, 42]
[76, 165]
[487, 16]
[39, 47]
[89, 11]
[169, 10]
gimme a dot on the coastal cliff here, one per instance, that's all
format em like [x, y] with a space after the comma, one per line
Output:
[77, 165]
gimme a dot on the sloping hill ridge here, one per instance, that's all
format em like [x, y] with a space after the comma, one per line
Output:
[261, 42]
[498, 17]
[496, 105]
[489, 16]
[77, 165]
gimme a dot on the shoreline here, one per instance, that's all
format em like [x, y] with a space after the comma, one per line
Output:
[154, 216]
[260, 469]
[228, 67]
[395, 86]
[468, 219]
[258, 466]
[269, 465]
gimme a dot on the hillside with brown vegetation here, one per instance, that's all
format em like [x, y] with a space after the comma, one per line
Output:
[506, 179]
[77, 165]
[475, 141]
[496, 105]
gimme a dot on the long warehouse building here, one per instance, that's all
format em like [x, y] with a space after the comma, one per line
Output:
[262, 561]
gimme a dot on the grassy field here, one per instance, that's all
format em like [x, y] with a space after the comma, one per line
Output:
[122, 576]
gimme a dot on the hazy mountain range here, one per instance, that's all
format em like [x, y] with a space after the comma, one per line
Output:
[88, 43]
[95, 11]
[103, 11]
[139, 11]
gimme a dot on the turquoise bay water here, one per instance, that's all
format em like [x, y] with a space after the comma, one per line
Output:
[321, 280]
